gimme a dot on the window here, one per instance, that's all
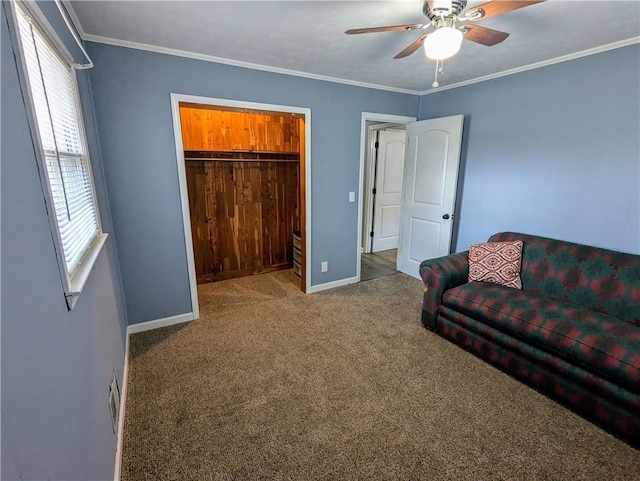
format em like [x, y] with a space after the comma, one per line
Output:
[64, 161]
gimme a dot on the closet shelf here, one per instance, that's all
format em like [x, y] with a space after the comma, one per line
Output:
[240, 156]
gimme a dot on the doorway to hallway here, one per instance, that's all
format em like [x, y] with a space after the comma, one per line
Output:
[385, 177]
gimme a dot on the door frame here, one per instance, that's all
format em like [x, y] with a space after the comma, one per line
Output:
[365, 148]
[371, 166]
[305, 180]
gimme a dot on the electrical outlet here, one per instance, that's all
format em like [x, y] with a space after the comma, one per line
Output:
[324, 266]
[352, 196]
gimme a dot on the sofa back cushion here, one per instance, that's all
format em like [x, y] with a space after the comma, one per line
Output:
[599, 279]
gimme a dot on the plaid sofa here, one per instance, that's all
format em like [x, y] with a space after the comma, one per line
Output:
[572, 332]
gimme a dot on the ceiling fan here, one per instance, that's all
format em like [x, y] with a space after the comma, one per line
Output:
[446, 38]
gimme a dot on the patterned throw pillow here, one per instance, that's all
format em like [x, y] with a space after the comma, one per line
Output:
[497, 262]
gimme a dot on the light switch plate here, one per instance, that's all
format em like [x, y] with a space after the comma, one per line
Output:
[352, 196]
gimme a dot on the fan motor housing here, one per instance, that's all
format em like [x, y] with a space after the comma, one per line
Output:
[434, 9]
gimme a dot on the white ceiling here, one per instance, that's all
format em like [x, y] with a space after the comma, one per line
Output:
[308, 36]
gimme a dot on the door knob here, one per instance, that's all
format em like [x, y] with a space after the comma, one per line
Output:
[445, 217]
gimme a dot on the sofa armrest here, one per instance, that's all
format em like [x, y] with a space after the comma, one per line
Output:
[439, 275]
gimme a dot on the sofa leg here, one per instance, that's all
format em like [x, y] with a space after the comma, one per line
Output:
[428, 323]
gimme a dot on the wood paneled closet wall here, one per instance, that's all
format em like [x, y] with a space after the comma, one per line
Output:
[243, 179]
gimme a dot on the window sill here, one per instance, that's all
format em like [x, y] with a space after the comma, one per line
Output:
[79, 279]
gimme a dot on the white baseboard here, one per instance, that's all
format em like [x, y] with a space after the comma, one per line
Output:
[332, 284]
[167, 321]
[123, 398]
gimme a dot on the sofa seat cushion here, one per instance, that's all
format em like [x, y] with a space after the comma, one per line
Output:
[598, 342]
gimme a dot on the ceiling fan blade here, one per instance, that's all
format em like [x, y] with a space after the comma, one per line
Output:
[492, 9]
[413, 47]
[390, 28]
[483, 35]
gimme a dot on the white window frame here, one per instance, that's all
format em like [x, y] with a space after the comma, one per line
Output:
[73, 282]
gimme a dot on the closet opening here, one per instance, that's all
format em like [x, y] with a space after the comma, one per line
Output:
[245, 184]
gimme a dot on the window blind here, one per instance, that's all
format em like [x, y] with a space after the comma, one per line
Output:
[57, 109]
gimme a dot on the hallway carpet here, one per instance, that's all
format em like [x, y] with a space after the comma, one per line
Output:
[273, 384]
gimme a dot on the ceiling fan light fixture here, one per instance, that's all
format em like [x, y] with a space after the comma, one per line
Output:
[443, 43]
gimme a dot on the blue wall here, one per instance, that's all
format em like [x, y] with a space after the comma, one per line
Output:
[56, 365]
[132, 88]
[553, 151]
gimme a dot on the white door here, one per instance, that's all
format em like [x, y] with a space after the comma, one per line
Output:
[430, 180]
[388, 196]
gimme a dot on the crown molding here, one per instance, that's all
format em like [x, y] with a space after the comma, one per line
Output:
[533, 66]
[296, 73]
[237, 63]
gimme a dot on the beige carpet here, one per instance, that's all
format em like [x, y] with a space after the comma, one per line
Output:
[342, 385]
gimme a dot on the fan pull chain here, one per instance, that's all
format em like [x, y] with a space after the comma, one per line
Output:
[439, 70]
